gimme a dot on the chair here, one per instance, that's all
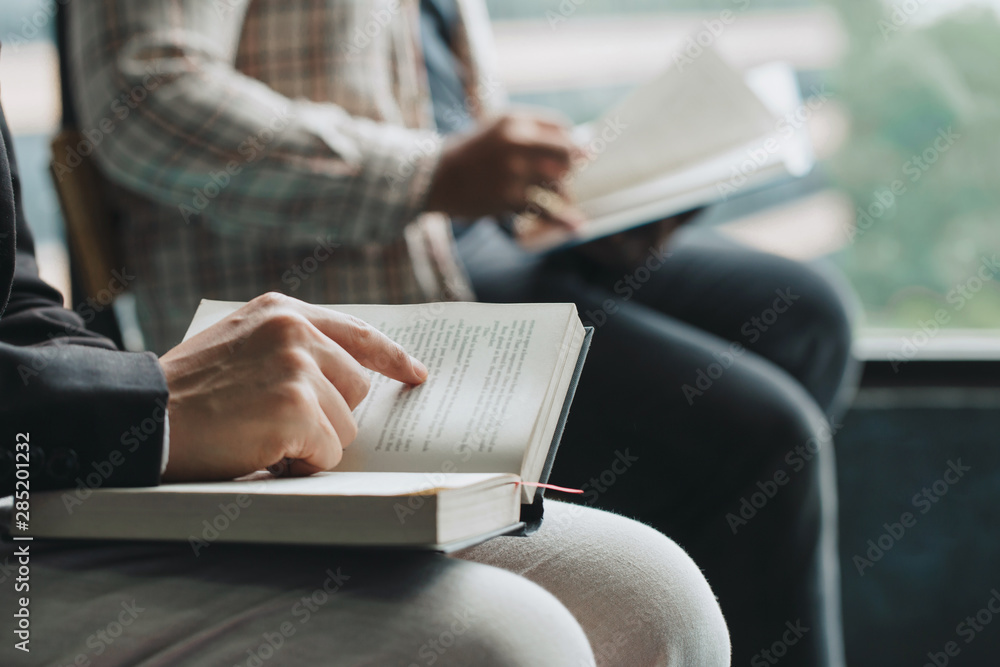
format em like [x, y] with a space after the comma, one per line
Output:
[91, 228]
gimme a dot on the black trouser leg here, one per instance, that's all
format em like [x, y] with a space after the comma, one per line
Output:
[686, 460]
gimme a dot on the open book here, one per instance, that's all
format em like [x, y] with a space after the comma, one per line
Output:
[434, 466]
[699, 133]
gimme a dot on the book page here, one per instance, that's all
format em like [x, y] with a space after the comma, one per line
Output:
[692, 111]
[699, 182]
[330, 484]
[491, 367]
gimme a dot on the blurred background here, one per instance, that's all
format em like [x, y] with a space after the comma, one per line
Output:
[905, 121]
[896, 74]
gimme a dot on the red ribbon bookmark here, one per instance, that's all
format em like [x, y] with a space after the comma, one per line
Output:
[551, 486]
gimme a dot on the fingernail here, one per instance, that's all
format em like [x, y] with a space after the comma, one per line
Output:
[419, 368]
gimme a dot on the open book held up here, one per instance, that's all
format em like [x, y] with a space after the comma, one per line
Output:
[697, 134]
[434, 466]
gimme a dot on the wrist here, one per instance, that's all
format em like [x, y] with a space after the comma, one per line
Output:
[440, 193]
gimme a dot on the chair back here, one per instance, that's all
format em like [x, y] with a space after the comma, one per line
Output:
[90, 229]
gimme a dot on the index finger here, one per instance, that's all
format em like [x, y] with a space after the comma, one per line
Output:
[372, 348]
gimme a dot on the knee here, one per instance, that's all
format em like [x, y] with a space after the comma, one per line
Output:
[784, 458]
[640, 597]
[827, 301]
[509, 621]
[676, 619]
[821, 319]
[787, 425]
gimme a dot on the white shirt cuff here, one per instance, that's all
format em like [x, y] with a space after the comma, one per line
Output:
[166, 441]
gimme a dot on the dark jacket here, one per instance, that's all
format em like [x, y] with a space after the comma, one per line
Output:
[93, 415]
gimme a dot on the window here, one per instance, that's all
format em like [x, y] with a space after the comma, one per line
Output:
[914, 98]
[29, 91]
[905, 200]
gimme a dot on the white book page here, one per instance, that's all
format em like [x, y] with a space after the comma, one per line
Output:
[490, 366]
[784, 151]
[332, 484]
[690, 112]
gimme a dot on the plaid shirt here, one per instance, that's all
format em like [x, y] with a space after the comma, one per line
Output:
[257, 145]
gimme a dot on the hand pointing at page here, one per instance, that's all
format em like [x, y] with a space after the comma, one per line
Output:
[276, 379]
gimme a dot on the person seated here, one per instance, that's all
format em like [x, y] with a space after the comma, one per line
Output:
[277, 380]
[324, 150]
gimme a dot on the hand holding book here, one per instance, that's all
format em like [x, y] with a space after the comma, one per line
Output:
[696, 134]
[500, 167]
[276, 379]
[438, 460]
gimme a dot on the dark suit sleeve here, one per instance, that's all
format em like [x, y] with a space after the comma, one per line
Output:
[93, 415]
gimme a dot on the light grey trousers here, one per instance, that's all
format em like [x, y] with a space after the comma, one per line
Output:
[589, 587]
